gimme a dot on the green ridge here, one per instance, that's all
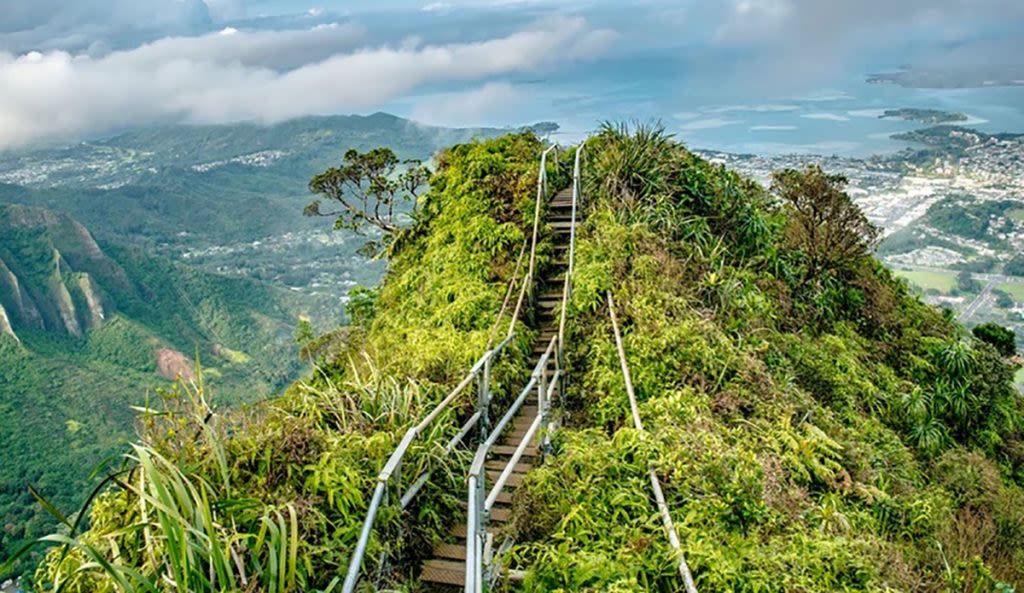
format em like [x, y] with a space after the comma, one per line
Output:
[816, 427]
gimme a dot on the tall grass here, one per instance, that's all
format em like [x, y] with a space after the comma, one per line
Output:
[180, 527]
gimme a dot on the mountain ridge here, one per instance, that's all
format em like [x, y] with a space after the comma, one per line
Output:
[815, 426]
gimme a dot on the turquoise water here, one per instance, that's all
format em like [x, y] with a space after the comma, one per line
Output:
[706, 111]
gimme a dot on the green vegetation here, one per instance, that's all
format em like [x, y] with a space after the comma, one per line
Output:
[812, 436]
[65, 398]
[910, 238]
[943, 283]
[1014, 290]
[816, 427]
[320, 446]
[977, 220]
[1003, 339]
[369, 190]
[924, 116]
[1015, 267]
[152, 185]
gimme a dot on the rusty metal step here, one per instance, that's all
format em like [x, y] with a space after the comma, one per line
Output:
[450, 551]
[499, 465]
[501, 514]
[508, 450]
[460, 530]
[444, 572]
[514, 480]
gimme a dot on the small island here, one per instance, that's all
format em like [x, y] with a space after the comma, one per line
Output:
[925, 116]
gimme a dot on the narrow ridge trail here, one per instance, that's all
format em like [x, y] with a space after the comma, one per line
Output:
[447, 568]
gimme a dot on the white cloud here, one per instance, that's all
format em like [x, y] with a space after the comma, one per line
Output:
[826, 116]
[773, 128]
[436, 7]
[222, 78]
[708, 124]
[766, 108]
[482, 106]
[873, 113]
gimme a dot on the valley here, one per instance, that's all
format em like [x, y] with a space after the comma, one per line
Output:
[126, 263]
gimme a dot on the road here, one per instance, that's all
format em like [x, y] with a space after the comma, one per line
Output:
[992, 281]
[976, 304]
[997, 278]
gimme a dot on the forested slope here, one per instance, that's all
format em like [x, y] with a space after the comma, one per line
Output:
[816, 427]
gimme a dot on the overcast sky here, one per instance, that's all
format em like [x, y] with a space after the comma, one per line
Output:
[75, 69]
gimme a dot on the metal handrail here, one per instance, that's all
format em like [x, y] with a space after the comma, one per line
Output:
[577, 192]
[480, 501]
[659, 494]
[542, 192]
[481, 372]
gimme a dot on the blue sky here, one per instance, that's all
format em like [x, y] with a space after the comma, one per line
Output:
[75, 69]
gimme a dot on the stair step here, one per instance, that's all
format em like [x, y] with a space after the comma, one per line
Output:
[444, 572]
[460, 530]
[531, 451]
[501, 514]
[514, 480]
[504, 497]
[450, 551]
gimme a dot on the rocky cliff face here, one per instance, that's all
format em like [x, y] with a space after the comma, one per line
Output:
[53, 274]
[5, 324]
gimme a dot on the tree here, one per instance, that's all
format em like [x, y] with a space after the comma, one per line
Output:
[1015, 267]
[824, 223]
[1003, 339]
[965, 282]
[369, 189]
[1004, 300]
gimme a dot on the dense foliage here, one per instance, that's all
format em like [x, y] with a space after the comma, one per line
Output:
[823, 435]
[306, 462]
[65, 400]
[817, 428]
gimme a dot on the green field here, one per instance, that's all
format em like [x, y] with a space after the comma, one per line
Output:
[937, 280]
[1019, 379]
[1014, 290]
[1016, 214]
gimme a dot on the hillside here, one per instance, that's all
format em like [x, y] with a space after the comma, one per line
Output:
[815, 425]
[225, 198]
[91, 330]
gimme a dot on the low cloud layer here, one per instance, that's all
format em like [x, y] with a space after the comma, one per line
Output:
[241, 76]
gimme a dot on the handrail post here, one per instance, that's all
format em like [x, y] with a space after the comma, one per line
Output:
[483, 401]
[471, 516]
[482, 518]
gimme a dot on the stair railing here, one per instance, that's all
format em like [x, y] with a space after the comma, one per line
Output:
[659, 494]
[391, 474]
[547, 375]
[542, 194]
[577, 193]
